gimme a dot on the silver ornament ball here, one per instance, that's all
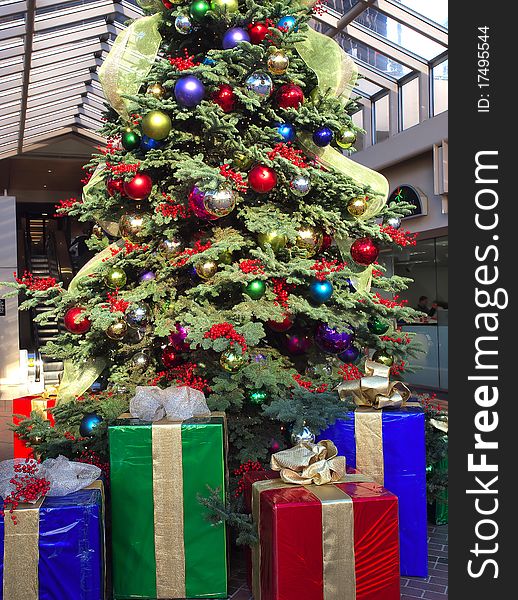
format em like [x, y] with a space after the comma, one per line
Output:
[141, 360]
[303, 435]
[219, 203]
[183, 24]
[300, 186]
[137, 316]
[260, 83]
[394, 222]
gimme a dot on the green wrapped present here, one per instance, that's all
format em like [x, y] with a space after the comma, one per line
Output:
[163, 545]
[438, 509]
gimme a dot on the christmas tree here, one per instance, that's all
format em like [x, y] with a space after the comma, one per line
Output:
[237, 242]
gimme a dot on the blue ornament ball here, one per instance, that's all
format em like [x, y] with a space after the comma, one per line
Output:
[321, 291]
[146, 275]
[350, 285]
[88, 423]
[332, 340]
[286, 131]
[289, 23]
[189, 91]
[350, 355]
[323, 136]
[147, 144]
[235, 36]
[209, 61]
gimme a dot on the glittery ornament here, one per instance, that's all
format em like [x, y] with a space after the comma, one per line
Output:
[116, 331]
[274, 239]
[219, 203]
[141, 360]
[76, 321]
[197, 205]
[378, 326]
[332, 340]
[289, 96]
[300, 185]
[115, 278]
[225, 98]
[262, 179]
[88, 424]
[139, 187]
[345, 139]
[156, 124]
[302, 435]
[321, 291]
[260, 83]
[170, 357]
[178, 338]
[183, 24]
[357, 206]
[233, 37]
[310, 240]
[323, 136]
[278, 61]
[256, 289]
[364, 251]
[156, 90]
[382, 357]
[206, 269]
[257, 396]
[232, 361]
[137, 315]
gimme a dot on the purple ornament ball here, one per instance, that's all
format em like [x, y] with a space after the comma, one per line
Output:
[233, 37]
[298, 344]
[197, 206]
[350, 355]
[177, 338]
[331, 340]
[146, 276]
[189, 91]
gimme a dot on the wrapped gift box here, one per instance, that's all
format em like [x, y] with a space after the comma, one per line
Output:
[333, 542]
[23, 407]
[389, 445]
[55, 551]
[163, 545]
[438, 509]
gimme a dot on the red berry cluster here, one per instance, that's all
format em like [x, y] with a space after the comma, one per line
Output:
[183, 63]
[397, 368]
[250, 465]
[432, 404]
[122, 168]
[237, 178]
[171, 208]
[130, 247]
[309, 385]
[87, 176]
[320, 8]
[323, 268]
[399, 340]
[113, 145]
[399, 236]
[90, 457]
[117, 304]
[35, 284]
[389, 303]
[282, 292]
[28, 486]
[185, 375]
[64, 206]
[252, 266]
[350, 372]
[226, 330]
[186, 254]
[287, 151]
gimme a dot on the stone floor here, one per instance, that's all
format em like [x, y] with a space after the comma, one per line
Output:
[434, 587]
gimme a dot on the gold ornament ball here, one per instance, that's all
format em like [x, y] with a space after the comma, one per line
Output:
[156, 125]
[357, 207]
[383, 358]
[206, 269]
[131, 226]
[98, 232]
[345, 139]
[232, 361]
[170, 248]
[117, 330]
[309, 239]
[225, 258]
[275, 239]
[242, 161]
[156, 90]
[225, 6]
[278, 61]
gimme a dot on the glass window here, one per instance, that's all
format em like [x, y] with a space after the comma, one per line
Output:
[381, 119]
[367, 88]
[440, 88]
[361, 52]
[436, 10]
[410, 103]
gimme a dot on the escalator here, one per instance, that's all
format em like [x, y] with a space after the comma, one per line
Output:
[44, 254]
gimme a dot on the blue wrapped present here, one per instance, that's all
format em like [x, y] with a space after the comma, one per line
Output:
[55, 551]
[389, 445]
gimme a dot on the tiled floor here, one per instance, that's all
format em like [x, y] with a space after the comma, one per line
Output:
[434, 587]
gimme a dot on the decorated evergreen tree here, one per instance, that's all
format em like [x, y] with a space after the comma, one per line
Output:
[237, 242]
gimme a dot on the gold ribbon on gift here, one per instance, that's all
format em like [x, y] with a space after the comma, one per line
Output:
[339, 567]
[440, 423]
[308, 463]
[375, 390]
[129, 62]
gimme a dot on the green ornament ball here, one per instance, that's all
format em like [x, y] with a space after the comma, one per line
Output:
[345, 139]
[198, 9]
[130, 140]
[378, 326]
[115, 278]
[382, 357]
[256, 289]
[257, 396]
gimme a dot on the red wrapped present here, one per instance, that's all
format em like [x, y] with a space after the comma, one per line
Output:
[337, 541]
[24, 406]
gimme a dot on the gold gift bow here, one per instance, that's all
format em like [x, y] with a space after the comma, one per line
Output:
[21, 549]
[339, 568]
[308, 463]
[375, 389]
[440, 423]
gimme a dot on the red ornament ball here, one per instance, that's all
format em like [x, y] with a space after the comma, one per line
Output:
[281, 326]
[257, 32]
[115, 186]
[298, 344]
[170, 357]
[262, 179]
[364, 251]
[289, 95]
[139, 187]
[225, 98]
[76, 321]
[327, 240]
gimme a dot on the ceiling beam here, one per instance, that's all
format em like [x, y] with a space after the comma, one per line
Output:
[29, 34]
[348, 17]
